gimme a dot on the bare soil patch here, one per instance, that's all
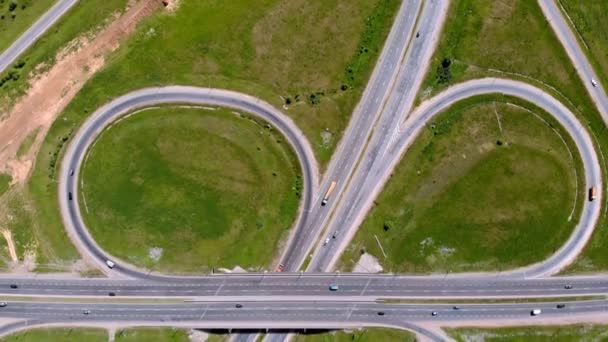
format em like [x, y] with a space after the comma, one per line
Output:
[53, 90]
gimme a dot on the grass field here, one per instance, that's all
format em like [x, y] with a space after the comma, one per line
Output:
[591, 28]
[512, 39]
[14, 20]
[363, 335]
[478, 189]
[59, 335]
[152, 334]
[185, 190]
[525, 334]
[324, 40]
[101, 335]
[5, 181]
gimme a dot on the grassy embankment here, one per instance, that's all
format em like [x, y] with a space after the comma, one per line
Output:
[363, 335]
[589, 22]
[331, 44]
[15, 19]
[101, 335]
[503, 39]
[476, 191]
[565, 333]
[185, 190]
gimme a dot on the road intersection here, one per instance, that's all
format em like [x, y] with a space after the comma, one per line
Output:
[381, 129]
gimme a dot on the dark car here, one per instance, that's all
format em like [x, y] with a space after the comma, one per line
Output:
[561, 306]
[69, 196]
[568, 287]
[380, 313]
[456, 307]
[238, 306]
[111, 294]
[14, 286]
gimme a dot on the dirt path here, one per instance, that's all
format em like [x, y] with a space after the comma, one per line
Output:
[11, 244]
[52, 91]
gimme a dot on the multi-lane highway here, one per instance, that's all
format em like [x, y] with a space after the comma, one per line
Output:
[291, 315]
[383, 126]
[34, 32]
[309, 286]
[360, 127]
[409, 78]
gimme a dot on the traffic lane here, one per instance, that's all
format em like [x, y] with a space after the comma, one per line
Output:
[370, 285]
[175, 94]
[288, 312]
[353, 141]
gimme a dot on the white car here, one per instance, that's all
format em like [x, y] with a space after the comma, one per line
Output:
[326, 242]
[110, 263]
[536, 312]
[594, 82]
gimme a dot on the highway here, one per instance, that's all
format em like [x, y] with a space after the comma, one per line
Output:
[34, 32]
[381, 130]
[287, 315]
[408, 81]
[356, 134]
[305, 286]
[106, 115]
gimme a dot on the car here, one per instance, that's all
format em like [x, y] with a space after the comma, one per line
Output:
[70, 196]
[2, 304]
[456, 307]
[434, 313]
[238, 306]
[110, 263]
[333, 287]
[335, 234]
[71, 172]
[380, 313]
[417, 34]
[111, 294]
[561, 306]
[14, 286]
[86, 312]
[326, 242]
[594, 82]
[280, 268]
[568, 287]
[536, 312]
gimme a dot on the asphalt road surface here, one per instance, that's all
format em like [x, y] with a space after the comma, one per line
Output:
[34, 32]
[307, 286]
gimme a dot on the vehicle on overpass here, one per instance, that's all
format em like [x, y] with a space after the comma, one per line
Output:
[331, 188]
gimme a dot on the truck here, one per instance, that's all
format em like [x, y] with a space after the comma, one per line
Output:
[331, 188]
[592, 193]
